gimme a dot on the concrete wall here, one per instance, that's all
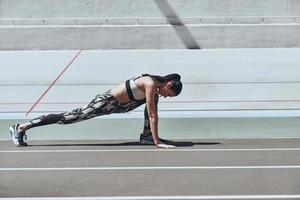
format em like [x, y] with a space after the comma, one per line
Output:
[228, 93]
[145, 8]
[146, 24]
[149, 37]
[176, 128]
[241, 82]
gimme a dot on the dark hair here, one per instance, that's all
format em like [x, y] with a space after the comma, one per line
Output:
[176, 87]
[174, 78]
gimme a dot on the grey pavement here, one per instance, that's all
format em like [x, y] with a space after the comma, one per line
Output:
[124, 169]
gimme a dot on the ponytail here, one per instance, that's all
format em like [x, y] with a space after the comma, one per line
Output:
[163, 79]
[175, 78]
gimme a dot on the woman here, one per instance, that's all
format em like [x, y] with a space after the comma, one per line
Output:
[125, 97]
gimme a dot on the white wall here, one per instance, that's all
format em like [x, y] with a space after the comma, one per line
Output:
[228, 82]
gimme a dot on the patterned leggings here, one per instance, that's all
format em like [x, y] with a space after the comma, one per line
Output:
[102, 104]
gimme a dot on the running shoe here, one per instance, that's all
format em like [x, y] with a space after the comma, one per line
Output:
[148, 139]
[19, 138]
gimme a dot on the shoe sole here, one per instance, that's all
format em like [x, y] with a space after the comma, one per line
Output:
[24, 145]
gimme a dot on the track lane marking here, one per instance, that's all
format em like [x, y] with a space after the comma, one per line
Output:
[207, 197]
[144, 150]
[147, 168]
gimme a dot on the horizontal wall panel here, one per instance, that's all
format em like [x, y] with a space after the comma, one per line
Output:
[193, 98]
[223, 82]
[97, 67]
[147, 8]
[149, 37]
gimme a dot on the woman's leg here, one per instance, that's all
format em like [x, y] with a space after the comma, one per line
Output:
[18, 131]
[147, 128]
[62, 118]
[146, 136]
[102, 104]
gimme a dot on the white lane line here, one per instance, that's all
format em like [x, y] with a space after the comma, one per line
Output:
[144, 150]
[148, 168]
[207, 197]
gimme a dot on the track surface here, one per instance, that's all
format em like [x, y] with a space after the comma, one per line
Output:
[198, 169]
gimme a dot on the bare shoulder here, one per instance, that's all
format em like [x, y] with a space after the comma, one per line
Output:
[146, 81]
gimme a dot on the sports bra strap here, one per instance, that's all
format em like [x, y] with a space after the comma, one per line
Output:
[129, 92]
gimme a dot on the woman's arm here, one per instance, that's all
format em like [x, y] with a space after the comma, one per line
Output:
[150, 89]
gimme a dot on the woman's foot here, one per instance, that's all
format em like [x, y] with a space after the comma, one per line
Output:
[148, 139]
[18, 137]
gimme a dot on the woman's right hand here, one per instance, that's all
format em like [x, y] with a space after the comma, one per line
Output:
[167, 146]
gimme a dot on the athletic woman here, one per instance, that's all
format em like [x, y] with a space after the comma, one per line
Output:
[124, 98]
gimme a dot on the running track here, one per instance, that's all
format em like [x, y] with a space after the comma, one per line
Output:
[198, 169]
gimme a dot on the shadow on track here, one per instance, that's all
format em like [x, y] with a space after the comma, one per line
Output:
[176, 143]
